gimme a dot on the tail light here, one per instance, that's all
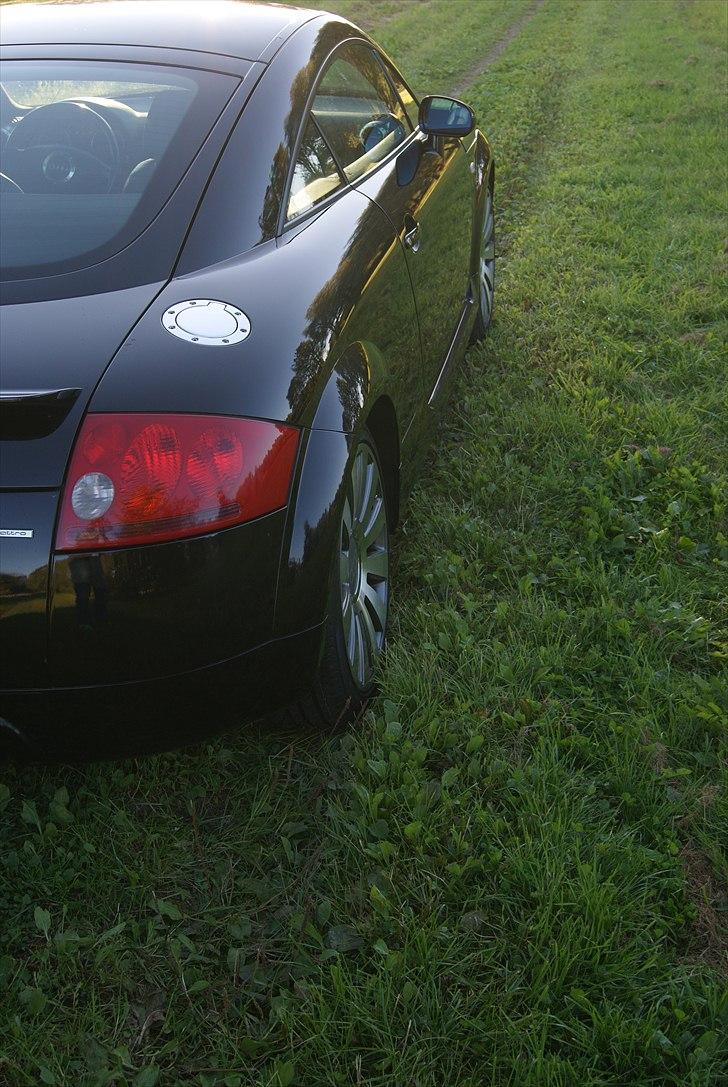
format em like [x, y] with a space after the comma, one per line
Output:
[137, 479]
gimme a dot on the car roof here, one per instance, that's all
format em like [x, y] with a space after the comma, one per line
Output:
[234, 28]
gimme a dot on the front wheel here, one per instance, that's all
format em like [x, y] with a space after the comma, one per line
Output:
[486, 270]
[356, 626]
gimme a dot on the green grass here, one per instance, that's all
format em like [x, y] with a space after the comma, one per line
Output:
[435, 42]
[515, 869]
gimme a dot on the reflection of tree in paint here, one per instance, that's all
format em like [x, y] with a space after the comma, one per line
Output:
[276, 463]
[91, 589]
[300, 89]
[313, 161]
[367, 303]
[334, 302]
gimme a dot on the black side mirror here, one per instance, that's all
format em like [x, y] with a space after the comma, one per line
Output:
[445, 117]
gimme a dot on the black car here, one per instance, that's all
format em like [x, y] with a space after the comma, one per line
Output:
[239, 262]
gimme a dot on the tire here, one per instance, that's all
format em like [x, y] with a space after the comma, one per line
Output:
[356, 625]
[486, 271]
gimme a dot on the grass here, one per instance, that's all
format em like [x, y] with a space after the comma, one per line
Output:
[515, 870]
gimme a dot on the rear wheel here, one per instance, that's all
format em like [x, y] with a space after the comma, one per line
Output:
[356, 627]
[486, 270]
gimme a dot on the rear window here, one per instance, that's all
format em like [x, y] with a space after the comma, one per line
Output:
[89, 153]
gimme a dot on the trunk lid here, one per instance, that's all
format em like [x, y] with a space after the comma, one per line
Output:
[52, 355]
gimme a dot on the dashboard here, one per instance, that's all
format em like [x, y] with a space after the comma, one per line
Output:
[59, 142]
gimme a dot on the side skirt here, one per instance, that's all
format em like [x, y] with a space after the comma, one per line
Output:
[452, 351]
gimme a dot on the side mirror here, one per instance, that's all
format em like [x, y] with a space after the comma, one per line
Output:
[445, 117]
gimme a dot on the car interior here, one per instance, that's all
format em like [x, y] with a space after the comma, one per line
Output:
[362, 136]
[118, 140]
[77, 157]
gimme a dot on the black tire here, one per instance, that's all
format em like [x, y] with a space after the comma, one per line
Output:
[338, 695]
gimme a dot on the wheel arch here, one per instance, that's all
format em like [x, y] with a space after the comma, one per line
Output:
[358, 393]
[484, 180]
[381, 422]
[353, 400]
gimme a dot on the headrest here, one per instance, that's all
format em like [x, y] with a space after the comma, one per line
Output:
[163, 119]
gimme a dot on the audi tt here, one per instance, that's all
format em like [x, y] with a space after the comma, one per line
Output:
[239, 262]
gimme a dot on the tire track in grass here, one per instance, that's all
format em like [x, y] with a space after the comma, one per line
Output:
[372, 20]
[473, 74]
[371, 17]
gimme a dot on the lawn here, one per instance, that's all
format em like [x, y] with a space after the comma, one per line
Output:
[514, 869]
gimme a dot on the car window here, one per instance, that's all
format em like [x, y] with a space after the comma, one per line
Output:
[409, 101]
[315, 174]
[358, 112]
[89, 154]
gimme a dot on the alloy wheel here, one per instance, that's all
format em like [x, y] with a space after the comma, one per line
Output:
[487, 262]
[364, 566]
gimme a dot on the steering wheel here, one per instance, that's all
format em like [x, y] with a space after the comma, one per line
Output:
[41, 155]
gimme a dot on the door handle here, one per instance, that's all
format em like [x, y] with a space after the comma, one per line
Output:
[411, 233]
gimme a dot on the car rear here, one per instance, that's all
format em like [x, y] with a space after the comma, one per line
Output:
[139, 550]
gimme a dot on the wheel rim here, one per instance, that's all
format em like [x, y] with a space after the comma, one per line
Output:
[364, 567]
[487, 262]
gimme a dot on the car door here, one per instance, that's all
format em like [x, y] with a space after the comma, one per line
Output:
[347, 131]
[427, 190]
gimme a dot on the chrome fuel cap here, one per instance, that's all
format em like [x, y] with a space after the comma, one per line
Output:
[206, 322]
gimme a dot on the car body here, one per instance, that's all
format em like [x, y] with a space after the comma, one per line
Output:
[338, 294]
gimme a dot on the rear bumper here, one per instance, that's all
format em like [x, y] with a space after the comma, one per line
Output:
[154, 646]
[114, 720]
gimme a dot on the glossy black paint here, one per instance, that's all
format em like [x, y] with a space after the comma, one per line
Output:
[152, 715]
[311, 531]
[355, 322]
[437, 203]
[112, 613]
[222, 28]
[24, 586]
[356, 290]
[65, 342]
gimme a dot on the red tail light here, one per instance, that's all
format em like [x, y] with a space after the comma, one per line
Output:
[138, 479]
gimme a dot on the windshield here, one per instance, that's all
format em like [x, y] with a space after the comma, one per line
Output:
[90, 152]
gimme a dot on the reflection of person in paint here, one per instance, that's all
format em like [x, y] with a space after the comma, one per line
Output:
[88, 576]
